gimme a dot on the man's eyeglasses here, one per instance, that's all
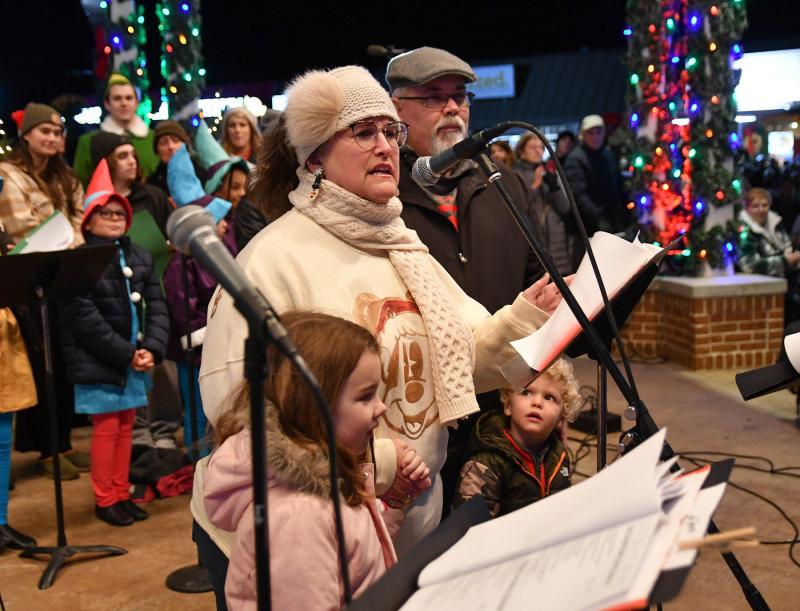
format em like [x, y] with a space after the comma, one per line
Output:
[440, 100]
[107, 215]
[365, 133]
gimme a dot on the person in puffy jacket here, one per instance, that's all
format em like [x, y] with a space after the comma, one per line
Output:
[111, 338]
[517, 457]
[302, 537]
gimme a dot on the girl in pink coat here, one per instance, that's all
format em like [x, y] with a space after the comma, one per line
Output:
[303, 549]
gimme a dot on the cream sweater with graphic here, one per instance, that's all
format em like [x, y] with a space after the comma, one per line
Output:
[298, 265]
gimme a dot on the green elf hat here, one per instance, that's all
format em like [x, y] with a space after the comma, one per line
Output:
[213, 158]
[119, 79]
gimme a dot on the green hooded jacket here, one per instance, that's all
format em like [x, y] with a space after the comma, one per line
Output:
[505, 475]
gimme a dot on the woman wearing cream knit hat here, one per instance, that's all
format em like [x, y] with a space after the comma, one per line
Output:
[330, 172]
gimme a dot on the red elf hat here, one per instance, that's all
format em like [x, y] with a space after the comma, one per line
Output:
[101, 192]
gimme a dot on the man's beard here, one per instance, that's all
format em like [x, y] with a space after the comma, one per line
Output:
[443, 141]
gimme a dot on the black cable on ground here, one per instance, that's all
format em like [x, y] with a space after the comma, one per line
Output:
[792, 543]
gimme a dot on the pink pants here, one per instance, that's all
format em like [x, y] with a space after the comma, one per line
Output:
[111, 456]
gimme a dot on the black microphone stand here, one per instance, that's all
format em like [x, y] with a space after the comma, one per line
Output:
[645, 426]
[265, 329]
[193, 578]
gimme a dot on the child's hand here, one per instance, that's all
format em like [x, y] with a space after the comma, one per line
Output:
[414, 469]
[411, 479]
[143, 360]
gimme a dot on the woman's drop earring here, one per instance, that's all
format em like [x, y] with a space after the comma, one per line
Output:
[318, 176]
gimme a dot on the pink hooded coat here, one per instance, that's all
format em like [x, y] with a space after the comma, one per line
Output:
[304, 566]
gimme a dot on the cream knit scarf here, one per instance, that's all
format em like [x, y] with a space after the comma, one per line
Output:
[370, 226]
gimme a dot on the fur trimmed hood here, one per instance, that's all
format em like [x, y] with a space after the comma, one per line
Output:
[321, 103]
[228, 489]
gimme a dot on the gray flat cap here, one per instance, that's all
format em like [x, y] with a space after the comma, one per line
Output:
[425, 64]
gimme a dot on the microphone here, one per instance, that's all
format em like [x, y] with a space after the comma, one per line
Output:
[191, 229]
[427, 170]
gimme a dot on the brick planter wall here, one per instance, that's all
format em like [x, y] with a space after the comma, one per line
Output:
[710, 323]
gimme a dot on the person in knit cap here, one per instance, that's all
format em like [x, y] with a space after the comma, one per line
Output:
[168, 137]
[197, 286]
[112, 336]
[37, 179]
[329, 176]
[38, 182]
[240, 134]
[120, 101]
[126, 174]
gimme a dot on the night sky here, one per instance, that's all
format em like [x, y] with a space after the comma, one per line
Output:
[47, 45]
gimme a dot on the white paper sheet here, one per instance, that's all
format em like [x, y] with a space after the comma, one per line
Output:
[55, 233]
[618, 261]
[586, 572]
[624, 491]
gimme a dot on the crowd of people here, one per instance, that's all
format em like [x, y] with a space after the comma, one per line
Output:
[402, 298]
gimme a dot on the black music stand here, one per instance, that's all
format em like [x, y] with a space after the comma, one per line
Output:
[39, 278]
[598, 420]
[397, 584]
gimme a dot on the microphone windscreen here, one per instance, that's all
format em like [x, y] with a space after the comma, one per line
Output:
[184, 221]
[422, 172]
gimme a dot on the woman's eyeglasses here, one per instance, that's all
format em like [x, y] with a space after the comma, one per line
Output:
[365, 133]
[107, 215]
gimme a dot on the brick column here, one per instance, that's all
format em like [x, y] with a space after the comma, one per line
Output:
[710, 323]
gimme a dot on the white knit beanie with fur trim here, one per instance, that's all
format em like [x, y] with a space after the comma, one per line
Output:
[321, 103]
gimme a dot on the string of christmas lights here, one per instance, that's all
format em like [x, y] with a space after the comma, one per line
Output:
[181, 59]
[681, 134]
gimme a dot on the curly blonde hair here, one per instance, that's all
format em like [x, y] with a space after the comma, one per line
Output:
[562, 373]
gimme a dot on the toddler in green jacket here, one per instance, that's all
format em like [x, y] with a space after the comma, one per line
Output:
[516, 457]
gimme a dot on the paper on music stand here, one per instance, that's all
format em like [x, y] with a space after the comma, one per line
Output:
[618, 261]
[601, 544]
[54, 233]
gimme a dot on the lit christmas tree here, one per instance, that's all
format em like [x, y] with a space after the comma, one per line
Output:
[182, 58]
[120, 38]
[682, 135]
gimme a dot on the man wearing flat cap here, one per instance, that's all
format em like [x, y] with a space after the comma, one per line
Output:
[461, 219]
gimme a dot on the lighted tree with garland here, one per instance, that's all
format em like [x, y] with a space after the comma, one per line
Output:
[182, 58]
[120, 38]
[681, 133]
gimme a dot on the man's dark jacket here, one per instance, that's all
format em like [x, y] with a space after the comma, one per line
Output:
[488, 256]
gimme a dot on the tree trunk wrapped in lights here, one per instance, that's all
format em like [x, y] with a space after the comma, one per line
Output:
[182, 58]
[681, 135]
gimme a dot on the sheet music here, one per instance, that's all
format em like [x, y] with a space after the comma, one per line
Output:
[582, 509]
[694, 526]
[54, 233]
[582, 573]
[618, 261]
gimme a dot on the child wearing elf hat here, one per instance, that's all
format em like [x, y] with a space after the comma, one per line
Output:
[120, 101]
[112, 336]
[197, 290]
[226, 176]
